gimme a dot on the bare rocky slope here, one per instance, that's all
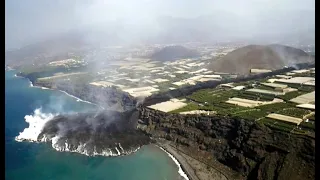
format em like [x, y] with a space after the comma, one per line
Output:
[270, 57]
[251, 149]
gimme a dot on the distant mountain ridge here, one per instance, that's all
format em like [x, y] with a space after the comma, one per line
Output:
[40, 52]
[274, 56]
[171, 53]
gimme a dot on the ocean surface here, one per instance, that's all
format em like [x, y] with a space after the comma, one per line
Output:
[39, 161]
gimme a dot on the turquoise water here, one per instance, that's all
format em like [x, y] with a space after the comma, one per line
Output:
[39, 161]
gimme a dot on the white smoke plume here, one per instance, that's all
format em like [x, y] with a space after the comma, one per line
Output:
[36, 123]
[84, 133]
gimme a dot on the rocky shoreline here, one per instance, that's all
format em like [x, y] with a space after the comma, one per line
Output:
[193, 169]
[184, 168]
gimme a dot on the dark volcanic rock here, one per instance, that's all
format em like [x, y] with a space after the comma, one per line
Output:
[98, 132]
[250, 148]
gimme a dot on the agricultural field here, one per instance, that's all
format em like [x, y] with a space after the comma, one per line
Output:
[170, 105]
[127, 73]
[258, 105]
[212, 96]
[291, 95]
[251, 103]
[284, 118]
[294, 112]
[305, 98]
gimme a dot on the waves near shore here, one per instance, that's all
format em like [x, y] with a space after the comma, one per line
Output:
[180, 171]
[78, 99]
[79, 134]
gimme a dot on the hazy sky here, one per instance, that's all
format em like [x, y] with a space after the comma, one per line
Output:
[32, 20]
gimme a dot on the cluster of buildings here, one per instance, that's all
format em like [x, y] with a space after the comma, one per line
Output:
[68, 63]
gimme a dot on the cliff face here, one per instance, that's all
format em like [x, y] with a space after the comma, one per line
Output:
[251, 149]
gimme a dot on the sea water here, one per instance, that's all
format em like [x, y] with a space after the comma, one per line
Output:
[39, 161]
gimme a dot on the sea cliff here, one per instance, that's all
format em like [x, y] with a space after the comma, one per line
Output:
[251, 149]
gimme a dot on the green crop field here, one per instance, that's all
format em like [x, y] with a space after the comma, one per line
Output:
[291, 95]
[188, 107]
[278, 125]
[213, 96]
[256, 96]
[252, 114]
[215, 100]
[306, 89]
[307, 125]
[294, 112]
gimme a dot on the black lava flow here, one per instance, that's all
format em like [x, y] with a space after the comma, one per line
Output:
[98, 130]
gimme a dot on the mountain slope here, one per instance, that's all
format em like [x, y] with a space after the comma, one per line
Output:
[272, 57]
[45, 51]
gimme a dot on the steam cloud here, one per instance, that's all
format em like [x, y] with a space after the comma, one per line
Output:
[106, 133]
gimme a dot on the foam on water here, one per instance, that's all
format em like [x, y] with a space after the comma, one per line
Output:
[117, 151]
[121, 148]
[31, 85]
[78, 99]
[37, 122]
[81, 149]
[180, 171]
[45, 88]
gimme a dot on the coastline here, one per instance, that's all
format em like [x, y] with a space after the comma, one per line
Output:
[185, 170]
[189, 168]
[78, 99]
[45, 88]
